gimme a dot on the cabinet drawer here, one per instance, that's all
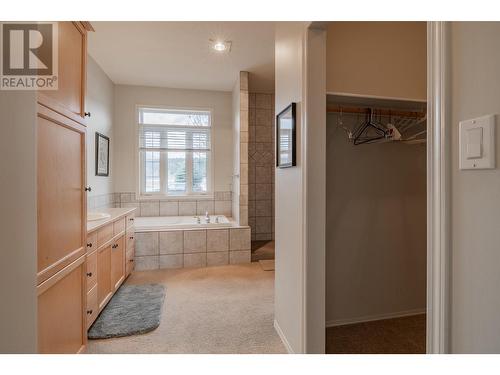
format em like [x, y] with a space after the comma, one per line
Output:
[130, 219]
[104, 234]
[92, 306]
[91, 242]
[91, 270]
[118, 226]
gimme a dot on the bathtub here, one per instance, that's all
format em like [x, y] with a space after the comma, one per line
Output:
[163, 223]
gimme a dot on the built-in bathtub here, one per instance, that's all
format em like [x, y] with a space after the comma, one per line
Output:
[162, 223]
[189, 241]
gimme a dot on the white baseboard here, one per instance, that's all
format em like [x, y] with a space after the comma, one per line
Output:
[283, 338]
[370, 318]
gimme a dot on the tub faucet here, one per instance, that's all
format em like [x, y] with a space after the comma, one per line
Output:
[207, 218]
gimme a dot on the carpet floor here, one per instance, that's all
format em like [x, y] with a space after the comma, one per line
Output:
[227, 309]
[390, 336]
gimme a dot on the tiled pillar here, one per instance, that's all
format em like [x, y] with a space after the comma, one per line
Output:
[243, 214]
[261, 150]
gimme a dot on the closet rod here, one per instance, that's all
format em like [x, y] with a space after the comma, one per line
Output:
[377, 112]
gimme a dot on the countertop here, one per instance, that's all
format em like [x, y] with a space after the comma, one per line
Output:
[115, 213]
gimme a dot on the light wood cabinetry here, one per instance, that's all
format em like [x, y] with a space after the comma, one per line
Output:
[112, 250]
[61, 217]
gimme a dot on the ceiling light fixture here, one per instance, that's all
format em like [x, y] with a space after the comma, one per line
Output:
[220, 46]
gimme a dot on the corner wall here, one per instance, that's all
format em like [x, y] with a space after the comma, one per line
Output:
[475, 194]
[18, 311]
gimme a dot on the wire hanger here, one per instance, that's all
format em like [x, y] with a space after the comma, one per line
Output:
[362, 136]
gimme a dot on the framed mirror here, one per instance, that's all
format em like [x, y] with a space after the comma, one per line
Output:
[285, 137]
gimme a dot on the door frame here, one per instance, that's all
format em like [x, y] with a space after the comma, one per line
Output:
[438, 190]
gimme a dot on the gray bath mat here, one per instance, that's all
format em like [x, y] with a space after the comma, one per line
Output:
[134, 309]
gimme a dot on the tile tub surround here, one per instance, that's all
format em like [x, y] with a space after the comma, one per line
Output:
[111, 200]
[261, 150]
[219, 204]
[192, 248]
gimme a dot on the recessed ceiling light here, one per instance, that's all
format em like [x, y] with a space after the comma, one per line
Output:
[221, 46]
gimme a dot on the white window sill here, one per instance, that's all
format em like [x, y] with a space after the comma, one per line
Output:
[159, 197]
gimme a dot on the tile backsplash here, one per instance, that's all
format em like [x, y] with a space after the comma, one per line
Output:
[220, 204]
[103, 201]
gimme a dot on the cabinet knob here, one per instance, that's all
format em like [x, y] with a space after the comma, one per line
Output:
[114, 246]
[88, 188]
[131, 238]
[89, 312]
[131, 260]
[131, 219]
[89, 274]
[87, 114]
[89, 244]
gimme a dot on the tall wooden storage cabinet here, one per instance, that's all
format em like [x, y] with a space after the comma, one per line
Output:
[61, 248]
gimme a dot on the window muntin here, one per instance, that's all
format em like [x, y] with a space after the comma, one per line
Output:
[175, 151]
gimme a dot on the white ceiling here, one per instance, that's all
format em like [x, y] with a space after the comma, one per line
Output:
[178, 54]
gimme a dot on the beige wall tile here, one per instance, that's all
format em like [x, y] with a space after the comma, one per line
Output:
[223, 208]
[204, 206]
[195, 241]
[263, 134]
[244, 81]
[150, 208]
[244, 153]
[263, 236]
[146, 243]
[217, 240]
[263, 208]
[171, 242]
[218, 259]
[264, 191]
[264, 101]
[187, 208]
[264, 225]
[146, 263]
[169, 208]
[239, 239]
[238, 257]
[195, 260]
[132, 205]
[243, 101]
[243, 215]
[263, 175]
[172, 261]
[243, 120]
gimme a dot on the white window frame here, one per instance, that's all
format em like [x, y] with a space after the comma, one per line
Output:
[163, 193]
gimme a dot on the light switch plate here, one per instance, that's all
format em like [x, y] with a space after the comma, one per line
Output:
[477, 143]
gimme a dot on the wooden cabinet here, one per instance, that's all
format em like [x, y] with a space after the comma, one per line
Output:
[112, 258]
[104, 288]
[61, 199]
[117, 263]
[61, 302]
[71, 68]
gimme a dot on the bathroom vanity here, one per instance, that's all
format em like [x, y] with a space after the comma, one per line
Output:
[110, 257]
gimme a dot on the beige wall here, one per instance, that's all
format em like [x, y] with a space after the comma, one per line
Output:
[99, 101]
[475, 91]
[18, 316]
[376, 227]
[289, 293]
[377, 58]
[125, 129]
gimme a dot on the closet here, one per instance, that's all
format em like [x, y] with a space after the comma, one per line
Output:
[61, 247]
[376, 187]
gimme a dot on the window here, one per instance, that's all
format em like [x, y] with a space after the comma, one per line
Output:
[174, 151]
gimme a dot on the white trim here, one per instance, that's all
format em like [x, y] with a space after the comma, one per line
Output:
[361, 96]
[438, 187]
[371, 318]
[283, 338]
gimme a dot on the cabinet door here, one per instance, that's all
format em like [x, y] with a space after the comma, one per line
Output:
[118, 263]
[71, 68]
[60, 188]
[104, 287]
[61, 305]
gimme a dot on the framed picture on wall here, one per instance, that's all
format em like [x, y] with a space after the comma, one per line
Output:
[101, 155]
[285, 137]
